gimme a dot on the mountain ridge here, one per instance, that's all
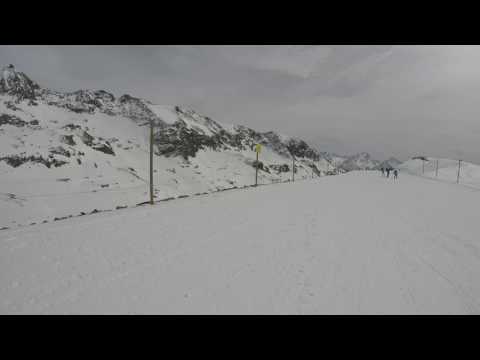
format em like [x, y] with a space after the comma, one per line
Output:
[67, 152]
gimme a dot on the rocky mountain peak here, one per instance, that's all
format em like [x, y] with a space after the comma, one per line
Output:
[17, 83]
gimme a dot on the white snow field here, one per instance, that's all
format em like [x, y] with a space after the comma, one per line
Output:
[356, 243]
[447, 170]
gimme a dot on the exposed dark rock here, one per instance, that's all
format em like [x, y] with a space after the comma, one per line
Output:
[280, 168]
[17, 160]
[136, 109]
[59, 150]
[87, 138]
[68, 139]
[257, 164]
[300, 148]
[78, 108]
[105, 148]
[13, 120]
[180, 140]
[104, 95]
[90, 141]
[314, 168]
[71, 127]
[10, 105]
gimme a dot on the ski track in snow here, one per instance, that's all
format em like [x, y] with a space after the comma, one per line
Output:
[351, 244]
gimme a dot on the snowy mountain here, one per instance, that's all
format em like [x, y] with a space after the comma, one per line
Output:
[360, 161]
[68, 153]
[391, 163]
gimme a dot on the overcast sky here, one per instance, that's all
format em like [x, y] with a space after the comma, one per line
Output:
[387, 100]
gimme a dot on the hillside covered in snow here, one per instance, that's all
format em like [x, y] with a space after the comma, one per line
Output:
[70, 153]
[446, 170]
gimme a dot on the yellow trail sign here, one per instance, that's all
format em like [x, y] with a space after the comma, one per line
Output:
[258, 148]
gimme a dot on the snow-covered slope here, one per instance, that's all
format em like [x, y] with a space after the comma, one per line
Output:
[357, 243]
[64, 154]
[447, 170]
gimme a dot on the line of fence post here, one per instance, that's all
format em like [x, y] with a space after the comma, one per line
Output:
[256, 171]
[437, 167]
[293, 168]
[151, 162]
[458, 173]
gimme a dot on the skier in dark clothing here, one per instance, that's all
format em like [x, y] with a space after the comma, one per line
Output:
[388, 172]
[383, 171]
[395, 174]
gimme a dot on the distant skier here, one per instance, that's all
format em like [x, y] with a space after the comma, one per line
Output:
[383, 171]
[388, 172]
[395, 174]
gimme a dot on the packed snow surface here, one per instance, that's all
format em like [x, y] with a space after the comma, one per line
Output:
[356, 243]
